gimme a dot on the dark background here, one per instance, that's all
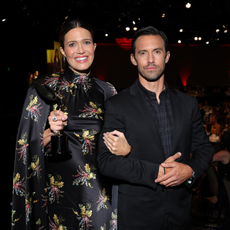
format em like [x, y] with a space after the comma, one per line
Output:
[31, 26]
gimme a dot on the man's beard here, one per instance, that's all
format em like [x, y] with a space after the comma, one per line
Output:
[152, 75]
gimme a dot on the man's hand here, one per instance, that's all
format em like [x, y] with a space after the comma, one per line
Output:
[179, 173]
[117, 143]
[163, 170]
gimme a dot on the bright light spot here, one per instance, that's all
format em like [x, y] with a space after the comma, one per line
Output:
[188, 5]
[106, 35]
[135, 28]
[127, 29]
[217, 30]
[3, 20]
[139, 19]
[181, 30]
[207, 42]
[196, 38]
[163, 16]
[66, 17]
[200, 38]
[179, 41]
[226, 31]
[134, 22]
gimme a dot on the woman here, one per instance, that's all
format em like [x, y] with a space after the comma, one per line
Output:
[57, 64]
[70, 194]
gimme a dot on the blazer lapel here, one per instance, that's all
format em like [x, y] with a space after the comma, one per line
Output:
[142, 108]
[177, 116]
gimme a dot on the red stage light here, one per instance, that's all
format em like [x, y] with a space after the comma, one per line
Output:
[124, 43]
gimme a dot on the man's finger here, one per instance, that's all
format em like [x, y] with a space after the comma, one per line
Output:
[169, 164]
[164, 177]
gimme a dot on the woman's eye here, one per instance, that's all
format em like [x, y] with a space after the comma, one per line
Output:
[71, 44]
[87, 42]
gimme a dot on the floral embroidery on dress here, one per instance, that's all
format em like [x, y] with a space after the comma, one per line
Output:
[112, 88]
[53, 188]
[39, 222]
[12, 218]
[29, 205]
[35, 167]
[102, 200]
[22, 150]
[84, 216]
[83, 177]
[84, 80]
[52, 81]
[33, 108]
[56, 225]
[103, 227]
[93, 110]
[19, 185]
[87, 138]
[67, 86]
[113, 222]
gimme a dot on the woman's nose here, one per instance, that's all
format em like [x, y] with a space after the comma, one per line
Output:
[80, 49]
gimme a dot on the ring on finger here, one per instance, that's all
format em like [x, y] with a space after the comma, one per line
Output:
[54, 118]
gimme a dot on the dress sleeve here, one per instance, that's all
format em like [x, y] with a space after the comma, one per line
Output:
[108, 89]
[28, 196]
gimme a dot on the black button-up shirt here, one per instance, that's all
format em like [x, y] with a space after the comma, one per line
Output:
[162, 114]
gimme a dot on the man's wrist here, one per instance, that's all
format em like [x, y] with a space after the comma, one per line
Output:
[191, 178]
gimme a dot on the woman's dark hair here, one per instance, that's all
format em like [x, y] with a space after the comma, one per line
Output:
[75, 23]
[149, 30]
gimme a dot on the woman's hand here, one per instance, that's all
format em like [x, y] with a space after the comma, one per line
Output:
[117, 143]
[56, 125]
[57, 121]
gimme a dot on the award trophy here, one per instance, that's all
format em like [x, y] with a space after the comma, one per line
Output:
[59, 142]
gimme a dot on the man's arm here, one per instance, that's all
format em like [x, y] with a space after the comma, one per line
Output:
[127, 169]
[202, 152]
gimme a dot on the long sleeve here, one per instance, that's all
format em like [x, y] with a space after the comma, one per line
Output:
[201, 149]
[29, 196]
[128, 169]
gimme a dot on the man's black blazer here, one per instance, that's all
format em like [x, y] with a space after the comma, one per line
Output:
[143, 204]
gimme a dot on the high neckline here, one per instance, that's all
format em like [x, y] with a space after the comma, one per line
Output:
[74, 77]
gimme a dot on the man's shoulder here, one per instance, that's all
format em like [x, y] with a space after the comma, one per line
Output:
[121, 96]
[185, 97]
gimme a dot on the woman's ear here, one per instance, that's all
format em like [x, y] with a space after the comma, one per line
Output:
[62, 51]
[95, 46]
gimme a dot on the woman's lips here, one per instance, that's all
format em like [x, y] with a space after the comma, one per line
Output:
[81, 59]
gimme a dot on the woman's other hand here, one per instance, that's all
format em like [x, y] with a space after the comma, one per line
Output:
[117, 143]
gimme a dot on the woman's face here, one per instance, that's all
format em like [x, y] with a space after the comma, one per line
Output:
[79, 49]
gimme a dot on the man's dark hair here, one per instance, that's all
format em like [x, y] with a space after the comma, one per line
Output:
[149, 30]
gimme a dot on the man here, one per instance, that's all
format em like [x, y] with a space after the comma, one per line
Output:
[162, 126]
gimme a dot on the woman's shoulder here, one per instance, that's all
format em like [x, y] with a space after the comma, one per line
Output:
[107, 88]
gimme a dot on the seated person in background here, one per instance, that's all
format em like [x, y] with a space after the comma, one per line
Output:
[211, 190]
[216, 127]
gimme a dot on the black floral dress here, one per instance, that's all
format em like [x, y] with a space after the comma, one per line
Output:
[71, 194]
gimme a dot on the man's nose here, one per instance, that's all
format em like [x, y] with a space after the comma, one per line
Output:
[151, 58]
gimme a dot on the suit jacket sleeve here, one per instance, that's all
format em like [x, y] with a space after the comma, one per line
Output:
[128, 169]
[201, 148]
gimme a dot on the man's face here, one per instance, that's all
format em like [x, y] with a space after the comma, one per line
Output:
[150, 57]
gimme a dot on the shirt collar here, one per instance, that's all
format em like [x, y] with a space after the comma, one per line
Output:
[151, 95]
